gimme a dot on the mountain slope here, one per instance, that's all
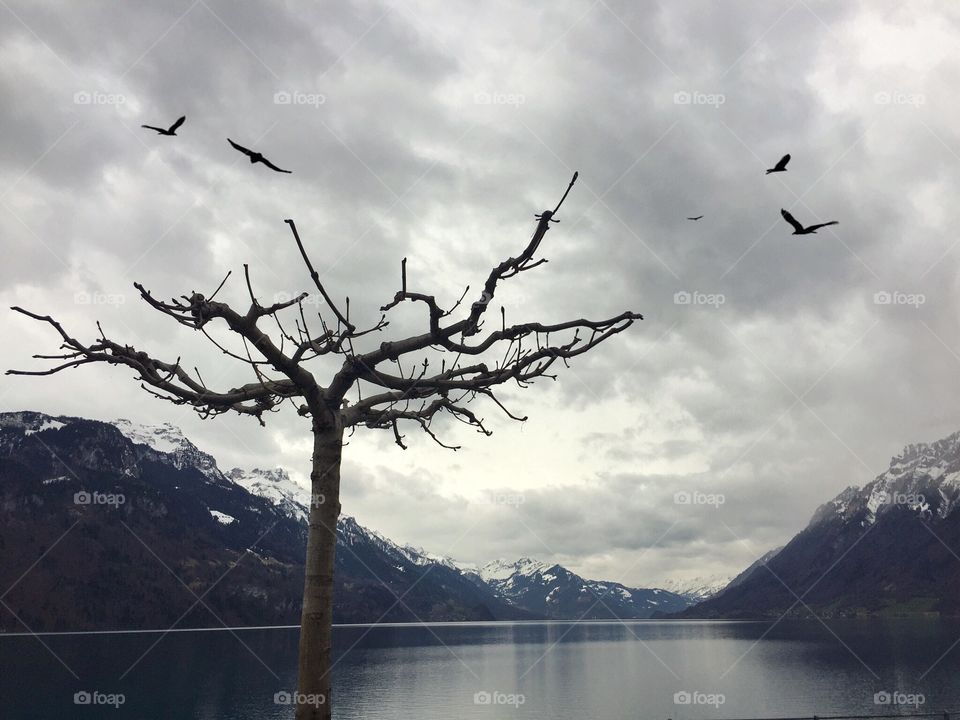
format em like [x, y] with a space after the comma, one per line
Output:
[888, 547]
[111, 527]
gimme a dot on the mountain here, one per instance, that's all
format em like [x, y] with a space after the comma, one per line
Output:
[535, 590]
[697, 589]
[276, 486]
[886, 548]
[115, 526]
[756, 565]
[552, 591]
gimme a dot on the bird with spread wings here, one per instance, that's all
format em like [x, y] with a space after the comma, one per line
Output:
[256, 157]
[799, 229]
[172, 130]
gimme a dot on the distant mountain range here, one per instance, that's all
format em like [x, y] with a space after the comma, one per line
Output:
[698, 589]
[891, 547]
[122, 526]
[552, 591]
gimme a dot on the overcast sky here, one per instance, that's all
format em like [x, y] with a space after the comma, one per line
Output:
[435, 131]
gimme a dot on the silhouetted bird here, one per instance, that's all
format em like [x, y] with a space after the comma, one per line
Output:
[799, 229]
[780, 166]
[256, 157]
[695, 218]
[172, 130]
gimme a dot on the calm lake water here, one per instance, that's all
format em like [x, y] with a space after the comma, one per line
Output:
[555, 671]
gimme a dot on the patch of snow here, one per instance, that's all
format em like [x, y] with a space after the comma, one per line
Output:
[222, 518]
[48, 424]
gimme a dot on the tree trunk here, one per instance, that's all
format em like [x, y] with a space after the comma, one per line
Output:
[313, 699]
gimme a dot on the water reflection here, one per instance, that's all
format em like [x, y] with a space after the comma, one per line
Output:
[496, 671]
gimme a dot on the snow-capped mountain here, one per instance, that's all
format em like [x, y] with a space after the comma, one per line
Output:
[698, 588]
[924, 478]
[170, 440]
[884, 548]
[274, 485]
[277, 487]
[137, 507]
[502, 572]
[200, 521]
[553, 591]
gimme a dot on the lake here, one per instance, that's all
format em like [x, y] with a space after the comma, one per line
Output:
[555, 671]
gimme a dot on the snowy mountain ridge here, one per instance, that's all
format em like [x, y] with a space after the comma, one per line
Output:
[278, 487]
[697, 588]
[170, 440]
[274, 485]
[526, 587]
[924, 478]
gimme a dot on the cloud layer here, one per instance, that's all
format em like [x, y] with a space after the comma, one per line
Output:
[770, 370]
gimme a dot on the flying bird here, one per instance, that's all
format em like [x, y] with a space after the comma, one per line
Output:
[695, 218]
[780, 166]
[256, 157]
[172, 130]
[799, 229]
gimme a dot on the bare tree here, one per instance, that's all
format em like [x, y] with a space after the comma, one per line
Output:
[416, 394]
